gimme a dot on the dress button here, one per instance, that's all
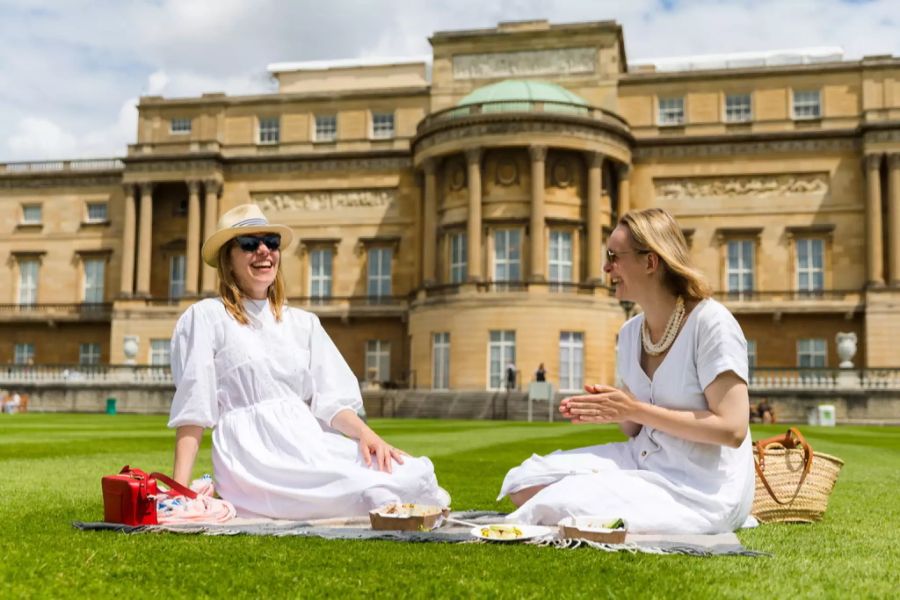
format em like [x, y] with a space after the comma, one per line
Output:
[643, 453]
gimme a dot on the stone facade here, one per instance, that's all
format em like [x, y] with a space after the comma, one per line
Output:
[476, 233]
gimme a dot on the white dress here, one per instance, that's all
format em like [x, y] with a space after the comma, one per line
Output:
[269, 390]
[658, 482]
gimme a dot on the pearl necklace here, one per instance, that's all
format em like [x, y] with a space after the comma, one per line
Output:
[670, 334]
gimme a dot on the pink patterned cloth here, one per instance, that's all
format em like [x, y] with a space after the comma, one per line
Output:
[173, 508]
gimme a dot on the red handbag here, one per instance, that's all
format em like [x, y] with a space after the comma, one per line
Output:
[130, 497]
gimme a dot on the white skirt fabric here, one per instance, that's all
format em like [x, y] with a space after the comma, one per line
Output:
[605, 481]
[273, 459]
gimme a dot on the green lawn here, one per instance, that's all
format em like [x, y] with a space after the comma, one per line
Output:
[50, 469]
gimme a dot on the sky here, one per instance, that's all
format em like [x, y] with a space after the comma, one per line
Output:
[71, 71]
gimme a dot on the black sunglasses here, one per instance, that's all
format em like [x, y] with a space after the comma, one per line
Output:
[249, 243]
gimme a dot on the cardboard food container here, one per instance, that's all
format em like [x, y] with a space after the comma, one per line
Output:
[407, 517]
[592, 529]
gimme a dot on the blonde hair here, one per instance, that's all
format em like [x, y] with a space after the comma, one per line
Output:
[655, 230]
[232, 295]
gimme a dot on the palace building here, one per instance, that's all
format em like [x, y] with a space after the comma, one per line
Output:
[451, 211]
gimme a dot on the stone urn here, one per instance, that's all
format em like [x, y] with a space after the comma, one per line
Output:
[846, 349]
[130, 347]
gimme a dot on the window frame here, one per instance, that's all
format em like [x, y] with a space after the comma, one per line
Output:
[379, 352]
[501, 344]
[742, 269]
[32, 206]
[173, 130]
[458, 257]
[268, 130]
[174, 290]
[563, 278]
[89, 291]
[90, 357]
[795, 103]
[440, 360]
[322, 279]
[374, 271]
[319, 127]
[662, 110]
[27, 356]
[812, 353]
[33, 285]
[87, 212]
[572, 349]
[382, 133]
[810, 270]
[508, 261]
[749, 108]
[160, 347]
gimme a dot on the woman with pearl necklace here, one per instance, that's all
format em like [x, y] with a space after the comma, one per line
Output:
[681, 398]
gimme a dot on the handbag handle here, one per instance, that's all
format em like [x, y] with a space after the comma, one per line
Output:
[174, 485]
[790, 439]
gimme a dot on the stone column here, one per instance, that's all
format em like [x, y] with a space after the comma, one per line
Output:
[473, 232]
[873, 221]
[145, 239]
[211, 216]
[538, 210]
[193, 239]
[624, 190]
[127, 285]
[594, 217]
[894, 217]
[429, 223]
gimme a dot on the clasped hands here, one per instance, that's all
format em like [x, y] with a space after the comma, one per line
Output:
[602, 404]
[373, 447]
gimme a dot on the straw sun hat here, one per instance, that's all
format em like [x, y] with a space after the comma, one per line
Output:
[244, 219]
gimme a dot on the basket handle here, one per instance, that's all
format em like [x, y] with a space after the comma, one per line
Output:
[790, 439]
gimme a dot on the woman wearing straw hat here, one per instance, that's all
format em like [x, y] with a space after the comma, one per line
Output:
[276, 390]
[688, 466]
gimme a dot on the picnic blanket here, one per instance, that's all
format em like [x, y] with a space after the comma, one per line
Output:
[359, 528]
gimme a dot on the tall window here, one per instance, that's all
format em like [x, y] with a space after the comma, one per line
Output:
[31, 214]
[176, 276]
[507, 255]
[812, 352]
[571, 360]
[28, 280]
[382, 125]
[89, 354]
[751, 354]
[159, 352]
[23, 354]
[326, 128]
[671, 111]
[94, 277]
[269, 130]
[180, 125]
[320, 273]
[740, 266]
[458, 258]
[379, 278]
[501, 352]
[810, 264]
[440, 361]
[737, 108]
[807, 104]
[97, 212]
[378, 360]
[560, 259]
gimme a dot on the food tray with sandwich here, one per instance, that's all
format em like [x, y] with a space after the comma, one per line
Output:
[407, 517]
[594, 529]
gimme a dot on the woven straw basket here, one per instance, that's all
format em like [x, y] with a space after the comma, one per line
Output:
[792, 482]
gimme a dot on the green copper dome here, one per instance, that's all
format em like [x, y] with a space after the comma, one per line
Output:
[519, 90]
[519, 95]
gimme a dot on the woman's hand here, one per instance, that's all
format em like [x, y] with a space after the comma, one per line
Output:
[602, 404]
[371, 444]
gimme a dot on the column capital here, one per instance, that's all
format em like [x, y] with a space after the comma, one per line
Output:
[213, 186]
[624, 170]
[538, 153]
[894, 160]
[873, 161]
[193, 186]
[595, 159]
[146, 188]
[128, 189]
[473, 155]
[429, 166]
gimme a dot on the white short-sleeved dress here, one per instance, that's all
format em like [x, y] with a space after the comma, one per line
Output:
[270, 390]
[658, 482]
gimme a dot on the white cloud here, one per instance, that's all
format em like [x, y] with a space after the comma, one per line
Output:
[71, 69]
